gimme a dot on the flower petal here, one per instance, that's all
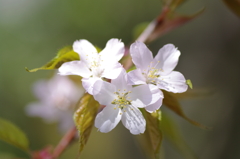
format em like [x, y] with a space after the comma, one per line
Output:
[153, 107]
[88, 84]
[107, 119]
[141, 55]
[133, 120]
[168, 58]
[140, 96]
[103, 92]
[121, 81]
[112, 72]
[156, 93]
[85, 49]
[174, 82]
[75, 68]
[135, 77]
[113, 51]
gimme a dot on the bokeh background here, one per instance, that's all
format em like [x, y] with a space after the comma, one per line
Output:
[31, 32]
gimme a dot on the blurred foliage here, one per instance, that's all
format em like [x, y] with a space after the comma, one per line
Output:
[84, 118]
[172, 4]
[171, 131]
[11, 134]
[234, 5]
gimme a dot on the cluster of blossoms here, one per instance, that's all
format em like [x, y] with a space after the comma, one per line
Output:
[57, 99]
[127, 92]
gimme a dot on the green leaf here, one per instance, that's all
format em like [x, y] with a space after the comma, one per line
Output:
[84, 118]
[66, 54]
[189, 83]
[234, 5]
[172, 103]
[171, 132]
[11, 134]
[153, 134]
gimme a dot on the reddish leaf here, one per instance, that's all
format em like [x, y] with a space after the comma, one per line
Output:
[234, 5]
[172, 103]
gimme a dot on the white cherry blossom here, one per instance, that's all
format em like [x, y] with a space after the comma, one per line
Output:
[122, 102]
[57, 99]
[158, 71]
[94, 66]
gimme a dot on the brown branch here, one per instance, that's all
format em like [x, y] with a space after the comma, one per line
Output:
[64, 143]
[152, 26]
[145, 35]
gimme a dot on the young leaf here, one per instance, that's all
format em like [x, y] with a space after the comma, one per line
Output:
[168, 22]
[11, 134]
[234, 5]
[172, 103]
[66, 54]
[171, 132]
[153, 132]
[84, 118]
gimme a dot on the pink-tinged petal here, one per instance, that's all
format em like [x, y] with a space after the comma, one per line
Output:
[140, 96]
[85, 49]
[156, 93]
[107, 119]
[48, 112]
[174, 82]
[121, 82]
[135, 77]
[141, 55]
[88, 84]
[41, 90]
[133, 120]
[153, 107]
[75, 68]
[103, 92]
[113, 51]
[112, 72]
[167, 58]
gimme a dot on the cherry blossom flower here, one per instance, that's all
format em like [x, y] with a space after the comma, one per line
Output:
[94, 66]
[157, 71]
[122, 102]
[57, 99]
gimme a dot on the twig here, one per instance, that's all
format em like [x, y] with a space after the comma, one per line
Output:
[64, 143]
[145, 35]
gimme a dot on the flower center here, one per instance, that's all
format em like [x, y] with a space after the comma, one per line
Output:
[96, 65]
[152, 73]
[122, 100]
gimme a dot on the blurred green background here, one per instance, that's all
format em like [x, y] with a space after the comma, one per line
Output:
[31, 32]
